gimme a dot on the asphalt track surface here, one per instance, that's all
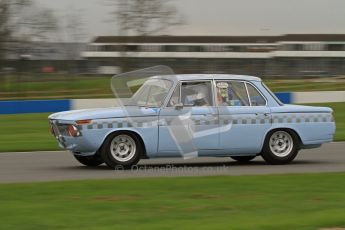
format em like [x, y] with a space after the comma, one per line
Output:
[58, 166]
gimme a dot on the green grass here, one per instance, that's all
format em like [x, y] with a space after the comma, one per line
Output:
[63, 87]
[304, 201]
[30, 132]
[305, 85]
[26, 132]
[49, 86]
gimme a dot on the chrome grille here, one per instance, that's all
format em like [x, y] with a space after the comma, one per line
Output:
[63, 130]
[59, 129]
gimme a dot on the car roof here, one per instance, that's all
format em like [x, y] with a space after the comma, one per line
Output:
[189, 77]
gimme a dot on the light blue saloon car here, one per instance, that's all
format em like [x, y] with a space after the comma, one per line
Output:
[194, 116]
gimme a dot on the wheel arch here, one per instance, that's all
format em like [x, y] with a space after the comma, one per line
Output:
[287, 129]
[130, 132]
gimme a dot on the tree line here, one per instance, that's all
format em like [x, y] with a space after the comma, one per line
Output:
[23, 21]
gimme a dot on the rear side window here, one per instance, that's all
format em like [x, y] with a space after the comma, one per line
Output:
[256, 98]
[272, 94]
[232, 93]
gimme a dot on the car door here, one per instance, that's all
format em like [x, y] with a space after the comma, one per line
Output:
[189, 123]
[243, 115]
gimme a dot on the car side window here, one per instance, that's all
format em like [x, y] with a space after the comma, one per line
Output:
[232, 93]
[196, 93]
[256, 98]
[192, 94]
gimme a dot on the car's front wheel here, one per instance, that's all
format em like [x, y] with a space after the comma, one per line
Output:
[91, 161]
[121, 150]
[281, 147]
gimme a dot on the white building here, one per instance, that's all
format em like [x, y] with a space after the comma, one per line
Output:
[299, 54]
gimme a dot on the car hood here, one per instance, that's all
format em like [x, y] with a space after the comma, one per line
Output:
[301, 109]
[103, 113]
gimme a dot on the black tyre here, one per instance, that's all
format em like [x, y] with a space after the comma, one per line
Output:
[91, 161]
[121, 150]
[280, 147]
[243, 158]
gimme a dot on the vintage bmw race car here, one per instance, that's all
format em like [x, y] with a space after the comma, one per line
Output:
[194, 116]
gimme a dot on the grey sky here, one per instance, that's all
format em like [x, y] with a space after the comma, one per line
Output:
[226, 17]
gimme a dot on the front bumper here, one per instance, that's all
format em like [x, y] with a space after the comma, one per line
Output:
[78, 145]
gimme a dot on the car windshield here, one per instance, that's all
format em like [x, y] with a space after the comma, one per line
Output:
[151, 94]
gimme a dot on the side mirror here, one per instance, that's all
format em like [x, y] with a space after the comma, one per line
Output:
[179, 106]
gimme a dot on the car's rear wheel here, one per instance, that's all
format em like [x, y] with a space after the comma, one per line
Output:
[281, 147]
[91, 161]
[121, 149]
[243, 158]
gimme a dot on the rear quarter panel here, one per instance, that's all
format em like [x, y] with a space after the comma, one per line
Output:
[313, 127]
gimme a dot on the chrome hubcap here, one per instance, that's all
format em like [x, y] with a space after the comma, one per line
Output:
[123, 148]
[281, 143]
